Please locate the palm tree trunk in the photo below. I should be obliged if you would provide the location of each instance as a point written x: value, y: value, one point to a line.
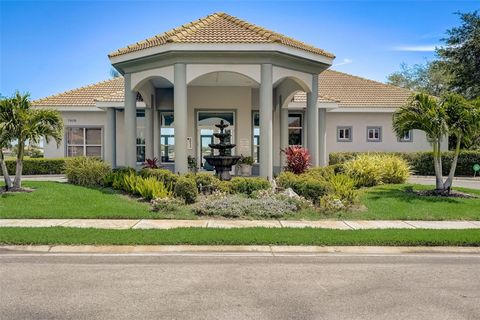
x: 437, y: 164
x: 6, y: 176
x: 451, y: 174
x: 17, y: 183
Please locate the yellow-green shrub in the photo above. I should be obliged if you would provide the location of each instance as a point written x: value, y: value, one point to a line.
x: 306, y: 185
x: 150, y: 188
x: 186, y: 189
x: 86, y: 171
x: 248, y: 185
x: 342, y: 187
x: 166, y: 176
x: 394, y: 169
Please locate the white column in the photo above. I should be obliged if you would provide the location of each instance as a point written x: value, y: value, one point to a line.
x: 283, y: 133
x: 130, y: 124
x: 180, y: 116
x: 322, y: 128
x: 156, y: 132
x: 266, y: 132
x: 312, y: 121
x: 111, y: 138
x: 149, y: 132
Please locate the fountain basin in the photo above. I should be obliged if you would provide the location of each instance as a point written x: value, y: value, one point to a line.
x: 223, y: 165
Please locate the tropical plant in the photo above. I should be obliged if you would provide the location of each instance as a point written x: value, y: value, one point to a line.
x: 26, y: 124
x: 150, y: 188
x: 186, y: 189
x: 86, y: 171
x: 5, y: 141
x: 451, y: 114
x: 151, y: 164
x: 298, y: 159
x: 245, y: 160
x: 425, y: 113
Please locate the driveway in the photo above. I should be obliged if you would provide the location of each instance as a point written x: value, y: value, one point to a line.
x: 472, y: 183
x: 249, y: 286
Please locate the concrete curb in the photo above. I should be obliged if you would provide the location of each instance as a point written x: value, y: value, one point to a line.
x: 266, y: 250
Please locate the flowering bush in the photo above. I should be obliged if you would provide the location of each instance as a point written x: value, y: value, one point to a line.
x: 166, y: 205
x: 298, y: 159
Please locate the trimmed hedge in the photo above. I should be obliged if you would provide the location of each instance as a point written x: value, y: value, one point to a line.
x: 34, y: 166
x: 422, y: 162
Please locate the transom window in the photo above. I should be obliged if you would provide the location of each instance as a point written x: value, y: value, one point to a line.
x: 374, y: 134
x: 295, y: 129
x: 84, y: 142
x: 407, y: 137
x: 167, y: 137
x: 344, y: 134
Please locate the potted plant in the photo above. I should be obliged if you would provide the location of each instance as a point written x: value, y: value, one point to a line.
x: 244, y: 166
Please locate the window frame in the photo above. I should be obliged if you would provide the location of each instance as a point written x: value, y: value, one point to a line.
x: 255, y: 146
x: 402, y: 139
x: 137, y: 144
x: 350, y: 128
x: 301, y: 127
x: 379, y: 134
x: 162, y: 125
x: 84, y: 145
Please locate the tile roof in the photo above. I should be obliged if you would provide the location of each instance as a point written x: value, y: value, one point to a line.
x: 219, y: 28
x: 353, y: 91
x: 347, y: 90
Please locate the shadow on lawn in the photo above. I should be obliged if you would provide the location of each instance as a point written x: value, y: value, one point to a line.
x: 405, y: 195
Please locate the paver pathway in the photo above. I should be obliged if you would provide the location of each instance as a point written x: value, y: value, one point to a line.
x: 226, y: 224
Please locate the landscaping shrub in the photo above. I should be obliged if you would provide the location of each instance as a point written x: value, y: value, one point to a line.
x: 129, y: 183
x: 298, y: 159
x: 35, y: 166
x: 167, y: 205
x: 305, y: 185
x: 167, y: 177
x: 365, y: 170
x: 422, y: 162
x: 323, y: 173
x: 86, y: 171
x: 206, y: 182
x: 186, y: 189
x: 394, y: 169
x: 238, y: 206
x: 150, y: 188
x: 341, y: 193
x: 114, y: 178
x: 248, y: 185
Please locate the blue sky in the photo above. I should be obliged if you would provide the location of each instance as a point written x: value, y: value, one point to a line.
x: 50, y: 47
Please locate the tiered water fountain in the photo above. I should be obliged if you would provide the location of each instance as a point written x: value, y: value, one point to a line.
x: 222, y: 162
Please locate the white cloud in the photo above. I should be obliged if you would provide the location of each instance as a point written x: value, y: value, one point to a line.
x: 416, y: 48
x: 344, y: 61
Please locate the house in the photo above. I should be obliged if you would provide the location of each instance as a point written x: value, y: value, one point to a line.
x: 272, y: 90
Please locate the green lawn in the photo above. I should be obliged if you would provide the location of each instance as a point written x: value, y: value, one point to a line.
x: 61, y: 200
x: 249, y: 236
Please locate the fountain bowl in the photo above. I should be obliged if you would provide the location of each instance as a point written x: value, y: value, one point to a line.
x: 223, y: 165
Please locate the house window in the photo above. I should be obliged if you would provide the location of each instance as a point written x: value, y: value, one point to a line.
x: 256, y: 137
x: 167, y: 137
x: 84, y: 142
x: 374, y: 134
x: 407, y: 137
x: 344, y: 134
x: 140, y: 136
x: 295, y: 129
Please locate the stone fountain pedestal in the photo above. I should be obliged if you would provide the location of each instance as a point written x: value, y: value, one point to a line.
x: 222, y: 162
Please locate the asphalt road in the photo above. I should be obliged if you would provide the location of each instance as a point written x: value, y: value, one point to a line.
x: 240, y: 287
x: 472, y: 183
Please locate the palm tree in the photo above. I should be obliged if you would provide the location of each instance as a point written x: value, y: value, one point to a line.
x: 463, y: 119
x: 26, y: 124
x: 451, y: 115
x: 424, y: 112
x: 5, y: 140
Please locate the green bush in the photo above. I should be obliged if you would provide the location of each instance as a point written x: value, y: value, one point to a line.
x: 394, y: 169
x: 206, y: 182
x: 35, y: 166
x: 114, y: 178
x: 86, y: 171
x: 365, y: 170
x: 342, y: 187
x: 307, y: 185
x: 167, y: 177
x: 421, y: 163
x: 186, y: 189
x: 150, y: 188
x: 129, y: 183
x: 248, y: 185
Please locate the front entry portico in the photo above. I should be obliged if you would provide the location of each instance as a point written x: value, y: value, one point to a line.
x: 246, y: 80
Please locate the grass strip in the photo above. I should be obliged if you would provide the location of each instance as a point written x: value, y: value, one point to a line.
x: 244, y: 236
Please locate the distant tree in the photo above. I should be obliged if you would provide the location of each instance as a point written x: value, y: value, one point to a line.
x: 461, y: 55
x: 114, y: 73
x: 5, y: 141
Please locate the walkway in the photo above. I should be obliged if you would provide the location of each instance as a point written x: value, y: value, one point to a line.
x: 463, y: 182
x: 227, y: 224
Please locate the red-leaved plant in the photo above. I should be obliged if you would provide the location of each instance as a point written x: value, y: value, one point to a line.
x: 151, y: 164
x: 298, y: 159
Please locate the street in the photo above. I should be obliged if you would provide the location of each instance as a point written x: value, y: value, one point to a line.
x: 242, y: 286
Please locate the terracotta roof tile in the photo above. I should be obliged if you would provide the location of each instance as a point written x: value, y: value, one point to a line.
x: 347, y: 90
x: 219, y: 28
x: 353, y: 91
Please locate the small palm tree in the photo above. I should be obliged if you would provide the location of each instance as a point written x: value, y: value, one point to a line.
x: 26, y: 124
x: 424, y: 112
x: 437, y: 118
